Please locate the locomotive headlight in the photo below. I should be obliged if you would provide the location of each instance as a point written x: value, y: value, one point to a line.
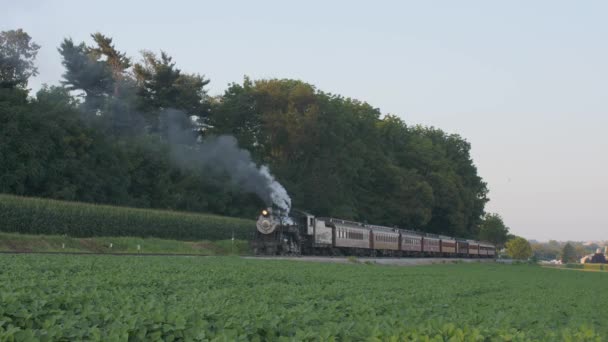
x: 264, y: 212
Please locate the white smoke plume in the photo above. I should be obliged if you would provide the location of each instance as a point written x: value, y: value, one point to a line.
x: 221, y: 153
x: 278, y: 193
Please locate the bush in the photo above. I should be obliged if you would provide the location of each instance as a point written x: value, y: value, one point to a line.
x: 43, y: 216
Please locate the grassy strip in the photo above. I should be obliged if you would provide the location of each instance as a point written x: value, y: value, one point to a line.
x: 588, y: 267
x: 43, y: 216
x: 11, y: 242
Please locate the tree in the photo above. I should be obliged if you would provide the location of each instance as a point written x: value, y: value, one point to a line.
x: 568, y: 254
x: 161, y: 85
x: 340, y: 158
x: 519, y: 248
x: 101, y: 72
x: 17, y: 54
x: 493, y: 229
x: 85, y: 73
x: 116, y: 61
x: 546, y: 251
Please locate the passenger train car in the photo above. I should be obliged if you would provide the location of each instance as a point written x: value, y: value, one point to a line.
x: 304, y: 234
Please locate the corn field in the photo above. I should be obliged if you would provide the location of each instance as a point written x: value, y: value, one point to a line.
x: 43, y: 216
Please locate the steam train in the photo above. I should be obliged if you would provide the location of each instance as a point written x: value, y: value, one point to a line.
x: 301, y: 233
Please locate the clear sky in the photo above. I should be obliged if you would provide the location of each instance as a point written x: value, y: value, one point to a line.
x: 524, y: 81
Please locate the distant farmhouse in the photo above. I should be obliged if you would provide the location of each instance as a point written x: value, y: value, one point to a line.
x: 598, y: 258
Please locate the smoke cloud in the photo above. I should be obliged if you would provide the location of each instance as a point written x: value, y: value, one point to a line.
x: 221, y: 153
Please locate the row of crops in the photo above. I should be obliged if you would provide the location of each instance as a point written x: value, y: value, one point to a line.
x: 106, y: 298
x: 43, y: 216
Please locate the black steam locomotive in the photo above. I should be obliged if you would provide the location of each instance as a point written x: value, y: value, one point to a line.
x: 301, y: 233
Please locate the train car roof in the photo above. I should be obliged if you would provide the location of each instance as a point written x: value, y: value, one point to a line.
x: 352, y: 224
x: 374, y: 227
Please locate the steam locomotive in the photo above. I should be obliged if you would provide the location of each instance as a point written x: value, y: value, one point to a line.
x: 302, y: 233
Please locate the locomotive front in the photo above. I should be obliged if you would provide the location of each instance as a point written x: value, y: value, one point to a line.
x: 267, y: 223
x: 276, y: 234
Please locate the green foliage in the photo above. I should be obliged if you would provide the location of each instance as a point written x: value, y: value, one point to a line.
x: 17, y: 54
x: 336, y: 156
x: 43, y: 216
x: 547, y: 250
x: 161, y: 85
x: 494, y: 230
x: 48, y: 151
x: 85, y: 72
x: 519, y: 248
x: 568, y: 254
x: 102, y: 298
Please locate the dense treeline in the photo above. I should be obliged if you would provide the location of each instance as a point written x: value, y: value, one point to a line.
x: 102, y: 136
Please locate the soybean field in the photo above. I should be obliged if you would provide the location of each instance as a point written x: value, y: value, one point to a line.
x: 129, y: 298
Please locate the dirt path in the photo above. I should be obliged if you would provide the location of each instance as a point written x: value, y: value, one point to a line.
x: 337, y: 260
x: 378, y: 261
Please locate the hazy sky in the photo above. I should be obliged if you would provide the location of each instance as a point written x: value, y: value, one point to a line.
x: 524, y: 81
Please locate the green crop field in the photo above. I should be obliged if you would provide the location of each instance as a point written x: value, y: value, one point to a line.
x: 129, y: 298
x: 28, y: 215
